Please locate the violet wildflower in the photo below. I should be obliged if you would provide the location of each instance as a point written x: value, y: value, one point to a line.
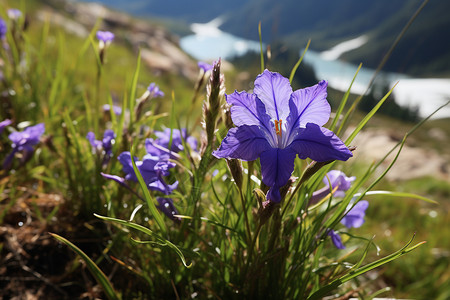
x: 152, y: 168
x: 155, y: 91
x: 336, y: 179
x: 24, y: 141
x: 205, y: 66
x: 163, y: 139
x: 355, y: 215
x: 4, y: 123
x: 167, y: 207
x: 3, y: 29
x: 336, y: 239
x: 116, y: 109
x: 276, y: 124
x: 103, y: 147
x: 105, y: 36
x: 14, y: 13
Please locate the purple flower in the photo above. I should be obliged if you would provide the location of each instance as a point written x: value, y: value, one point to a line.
x: 116, y: 109
x: 337, y: 179
x: 167, y: 207
x: 14, y: 13
x: 336, y: 239
x: 276, y: 124
x: 152, y: 169
x: 4, y: 123
x: 205, y: 66
x: 154, y: 90
x: 105, y: 36
x: 105, y: 145
x: 24, y: 141
x: 3, y: 29
x: 163, y: 139
x: 355, y: 216
x: 340, y: 180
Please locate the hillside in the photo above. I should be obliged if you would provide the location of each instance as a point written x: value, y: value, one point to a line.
x: 421, y: 52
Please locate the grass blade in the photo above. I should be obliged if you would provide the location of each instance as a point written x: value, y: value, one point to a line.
x: 95, y: 270
x: 161, y: 241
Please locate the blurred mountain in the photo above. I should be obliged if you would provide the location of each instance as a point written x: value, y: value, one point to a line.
x: 423, y: 51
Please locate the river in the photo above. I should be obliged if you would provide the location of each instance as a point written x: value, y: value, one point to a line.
x: 209, y: 43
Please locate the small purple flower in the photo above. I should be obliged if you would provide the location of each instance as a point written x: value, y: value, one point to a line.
x: 163, y: 139
x: 24, y: 141
x: 105, y: 36
x: 4, y: 123
x: 205, y: 66
x: 336, y: 239
x: 105, y: 145
x: 355, y: 216
x: 154, y: 90
x: 337, y: 179
x: 340, y: 180
x: 167, y: 207
x: 276, y: 124
x: 152, y: 169
x: 3, y: 29
x: 14, y: 13
x: 116, y: 109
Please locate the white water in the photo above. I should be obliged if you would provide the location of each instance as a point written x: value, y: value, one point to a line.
x: 209, y: 43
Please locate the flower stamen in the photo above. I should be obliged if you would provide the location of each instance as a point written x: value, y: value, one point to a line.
x: 278, y: 127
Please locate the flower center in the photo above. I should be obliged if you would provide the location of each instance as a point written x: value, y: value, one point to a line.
x: 278, y: 127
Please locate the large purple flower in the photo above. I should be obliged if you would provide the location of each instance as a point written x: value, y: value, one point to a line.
x: 276, y: 124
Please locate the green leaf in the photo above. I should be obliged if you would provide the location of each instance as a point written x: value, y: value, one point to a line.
x: 294, y: 69
x: 95, y: 270
x: 261, y: 47
x: 355, y: 273
x: 161, y: 241
x: 399, y: 194
x: 148, y: 198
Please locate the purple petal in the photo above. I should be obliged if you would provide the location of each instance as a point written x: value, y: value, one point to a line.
x: 244, y: 142
x: 310, y: 105
x: 27, y: 138
x: 105, y: 36
x: 152, y: 149
x: 319, y: 144
x: 355, y: 217
x: 4, y: 123
x: 338, y: 179
x: 116, y: 178
x: 274, y: 90
x: 247, y: 109
x: 167, y: 207
x: 204, y: 66
x: 336, y: 239
x: 277, y: 166
x: 108, y: 138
